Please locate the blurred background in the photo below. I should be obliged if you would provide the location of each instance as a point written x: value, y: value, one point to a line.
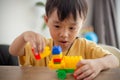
x: 17, y: 16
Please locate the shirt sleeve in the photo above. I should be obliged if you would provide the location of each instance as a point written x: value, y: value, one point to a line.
x: 95, y: 51
x: 25, y: 60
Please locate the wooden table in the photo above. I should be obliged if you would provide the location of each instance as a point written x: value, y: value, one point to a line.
x: 43, y: 73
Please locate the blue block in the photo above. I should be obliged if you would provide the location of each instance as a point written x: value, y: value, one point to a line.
x: 56, y: 50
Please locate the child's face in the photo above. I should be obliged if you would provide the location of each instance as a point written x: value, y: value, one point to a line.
x: 65, y: 32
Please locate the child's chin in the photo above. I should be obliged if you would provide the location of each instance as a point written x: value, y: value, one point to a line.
x: 64, y: 45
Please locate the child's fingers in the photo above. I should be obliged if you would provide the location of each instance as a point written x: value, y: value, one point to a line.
x: 85, y: 75
x: 41, y: 47
x: 36, y: 41
x: 81, y: 70
x: 40, y: 43
x: 80, y: 63
x: 91, y: 77
x: 34, y: 46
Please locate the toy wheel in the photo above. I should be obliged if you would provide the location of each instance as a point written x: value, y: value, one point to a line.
x: 61, y: 74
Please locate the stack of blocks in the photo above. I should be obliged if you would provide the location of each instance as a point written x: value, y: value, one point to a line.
x: 57, y: 55
x: 62, y: 62
x: 56, y: 61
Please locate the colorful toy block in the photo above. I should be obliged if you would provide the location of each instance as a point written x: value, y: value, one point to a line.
x: 57, y: 56
x: 42, y: 55
x: 37, y: 57
x: 46, y: 52
x: 57, y: 60
x: 56, y: 50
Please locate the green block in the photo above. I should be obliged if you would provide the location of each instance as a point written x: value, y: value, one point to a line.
x: 70, y: 70
x: 61, y: 74
x: 56, y: 62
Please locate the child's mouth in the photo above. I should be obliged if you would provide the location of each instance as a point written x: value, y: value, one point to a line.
x: 63, y: 42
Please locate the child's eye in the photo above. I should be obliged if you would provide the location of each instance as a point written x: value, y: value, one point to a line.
x: 71, y: 28
x: 56, y: 26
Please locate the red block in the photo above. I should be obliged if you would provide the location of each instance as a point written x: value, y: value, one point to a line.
x: 37, y: 56
x: 57, y: 60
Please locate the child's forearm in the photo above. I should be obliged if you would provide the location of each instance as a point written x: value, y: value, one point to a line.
x: 109, y: 61
x: 17, y: 47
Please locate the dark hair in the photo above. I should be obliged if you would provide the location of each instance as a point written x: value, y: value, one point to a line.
x: 66, y: 7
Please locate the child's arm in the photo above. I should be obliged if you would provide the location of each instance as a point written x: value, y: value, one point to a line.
x: 92, y: 67
x: 18, y: 45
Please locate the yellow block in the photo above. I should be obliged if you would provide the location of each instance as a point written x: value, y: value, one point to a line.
x: 57, y: 56
x: 51, y: 65
x: 71, y: 61
x: 68, y: 62
x: 46, y: 52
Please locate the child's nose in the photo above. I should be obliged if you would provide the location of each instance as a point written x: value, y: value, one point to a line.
x: 64, y: 33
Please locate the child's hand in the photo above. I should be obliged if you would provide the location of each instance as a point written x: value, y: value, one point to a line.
x: 87, y: 70
x: 36, y: 40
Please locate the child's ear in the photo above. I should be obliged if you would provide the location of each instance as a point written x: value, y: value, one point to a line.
x: 46, y: 19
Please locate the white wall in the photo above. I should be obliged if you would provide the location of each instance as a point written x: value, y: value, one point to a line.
x: 17, y: 16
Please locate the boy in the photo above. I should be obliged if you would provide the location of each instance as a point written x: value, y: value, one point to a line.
x: 64, y: 19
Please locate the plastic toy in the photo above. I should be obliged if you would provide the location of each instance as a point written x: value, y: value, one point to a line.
x: 42, y: 55
x: 63, y: 64
x: 91, y: 36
